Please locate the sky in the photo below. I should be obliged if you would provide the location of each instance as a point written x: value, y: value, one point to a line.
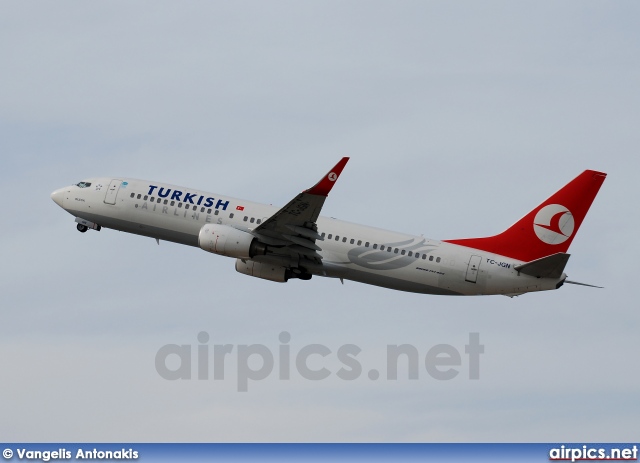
x: 459, y: 117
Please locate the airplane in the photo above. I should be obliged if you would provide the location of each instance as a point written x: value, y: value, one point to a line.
x: 296, y: 242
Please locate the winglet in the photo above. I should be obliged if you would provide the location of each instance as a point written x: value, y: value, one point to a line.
x: 323, y: 187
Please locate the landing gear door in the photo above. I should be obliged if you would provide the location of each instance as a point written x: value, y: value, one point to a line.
x: 472, y: 269
x: 112, y: 192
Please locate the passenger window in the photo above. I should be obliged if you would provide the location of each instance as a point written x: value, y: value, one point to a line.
x: 231, y: 215
x: 245, y: 218
x: 395, y: 251
x: 438, y: 260
x: 359, y: 242
x: 133, y: 194
x: 322, y: 234
x: 216, y: 212
x: 166, y: 201
x: 375, y: 246
x: 352, y: 241
x: 366, y: 245
x: 337, y: 238
x: 410, y: 253
x: 195, y: 208
x: 258, y: 221
x: 146, y: 197
x: 202, y: 209
x: 417, y: 255
x: 139, y: 196
x: 330, y: 236
x: 344, y: 240
x: 208, y: 211
x: 151, y: 199
x: 403, y: 252
x: 252, y: 219
x: 381, y: 247
x: 173, y: 203
x: 430, y: 257
x: 389, y: 249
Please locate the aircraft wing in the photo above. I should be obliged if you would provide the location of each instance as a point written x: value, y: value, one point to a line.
x: 294, y: 226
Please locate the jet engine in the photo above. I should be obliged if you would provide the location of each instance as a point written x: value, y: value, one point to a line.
x: 263, y: 270
x: 229, y: 242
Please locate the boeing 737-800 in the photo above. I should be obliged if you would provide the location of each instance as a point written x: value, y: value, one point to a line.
x: 296, y: 242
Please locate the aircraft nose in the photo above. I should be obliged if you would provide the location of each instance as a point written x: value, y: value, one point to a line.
x: 58, y: 196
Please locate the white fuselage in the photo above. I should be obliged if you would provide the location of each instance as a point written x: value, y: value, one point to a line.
x: 349, y: 251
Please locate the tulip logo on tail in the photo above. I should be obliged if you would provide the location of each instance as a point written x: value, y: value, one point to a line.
x: 554, y: 224
x: 333, y: 176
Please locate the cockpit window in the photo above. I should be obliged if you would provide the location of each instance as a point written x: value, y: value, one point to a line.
x: 84, y: 184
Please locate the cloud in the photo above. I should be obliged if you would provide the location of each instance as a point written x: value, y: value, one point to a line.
x: 459, y: 117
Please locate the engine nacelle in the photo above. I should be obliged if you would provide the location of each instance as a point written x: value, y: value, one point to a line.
x: 229, y: 241
x: 262, y: 270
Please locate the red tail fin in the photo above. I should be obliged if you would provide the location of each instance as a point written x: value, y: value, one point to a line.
x: 549, y: 228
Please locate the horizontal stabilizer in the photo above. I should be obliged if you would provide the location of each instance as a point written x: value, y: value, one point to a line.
x: 547, y: 267
x: 582, y: 284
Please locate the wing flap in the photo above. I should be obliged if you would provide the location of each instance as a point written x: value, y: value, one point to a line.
x: 306, y: 232
x: 303, y: 242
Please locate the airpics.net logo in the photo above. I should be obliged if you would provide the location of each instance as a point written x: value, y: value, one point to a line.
x: 554, y: 224
x: 314, y: 362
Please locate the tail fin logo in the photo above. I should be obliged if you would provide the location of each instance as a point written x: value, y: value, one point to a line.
x: 554, y: 224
